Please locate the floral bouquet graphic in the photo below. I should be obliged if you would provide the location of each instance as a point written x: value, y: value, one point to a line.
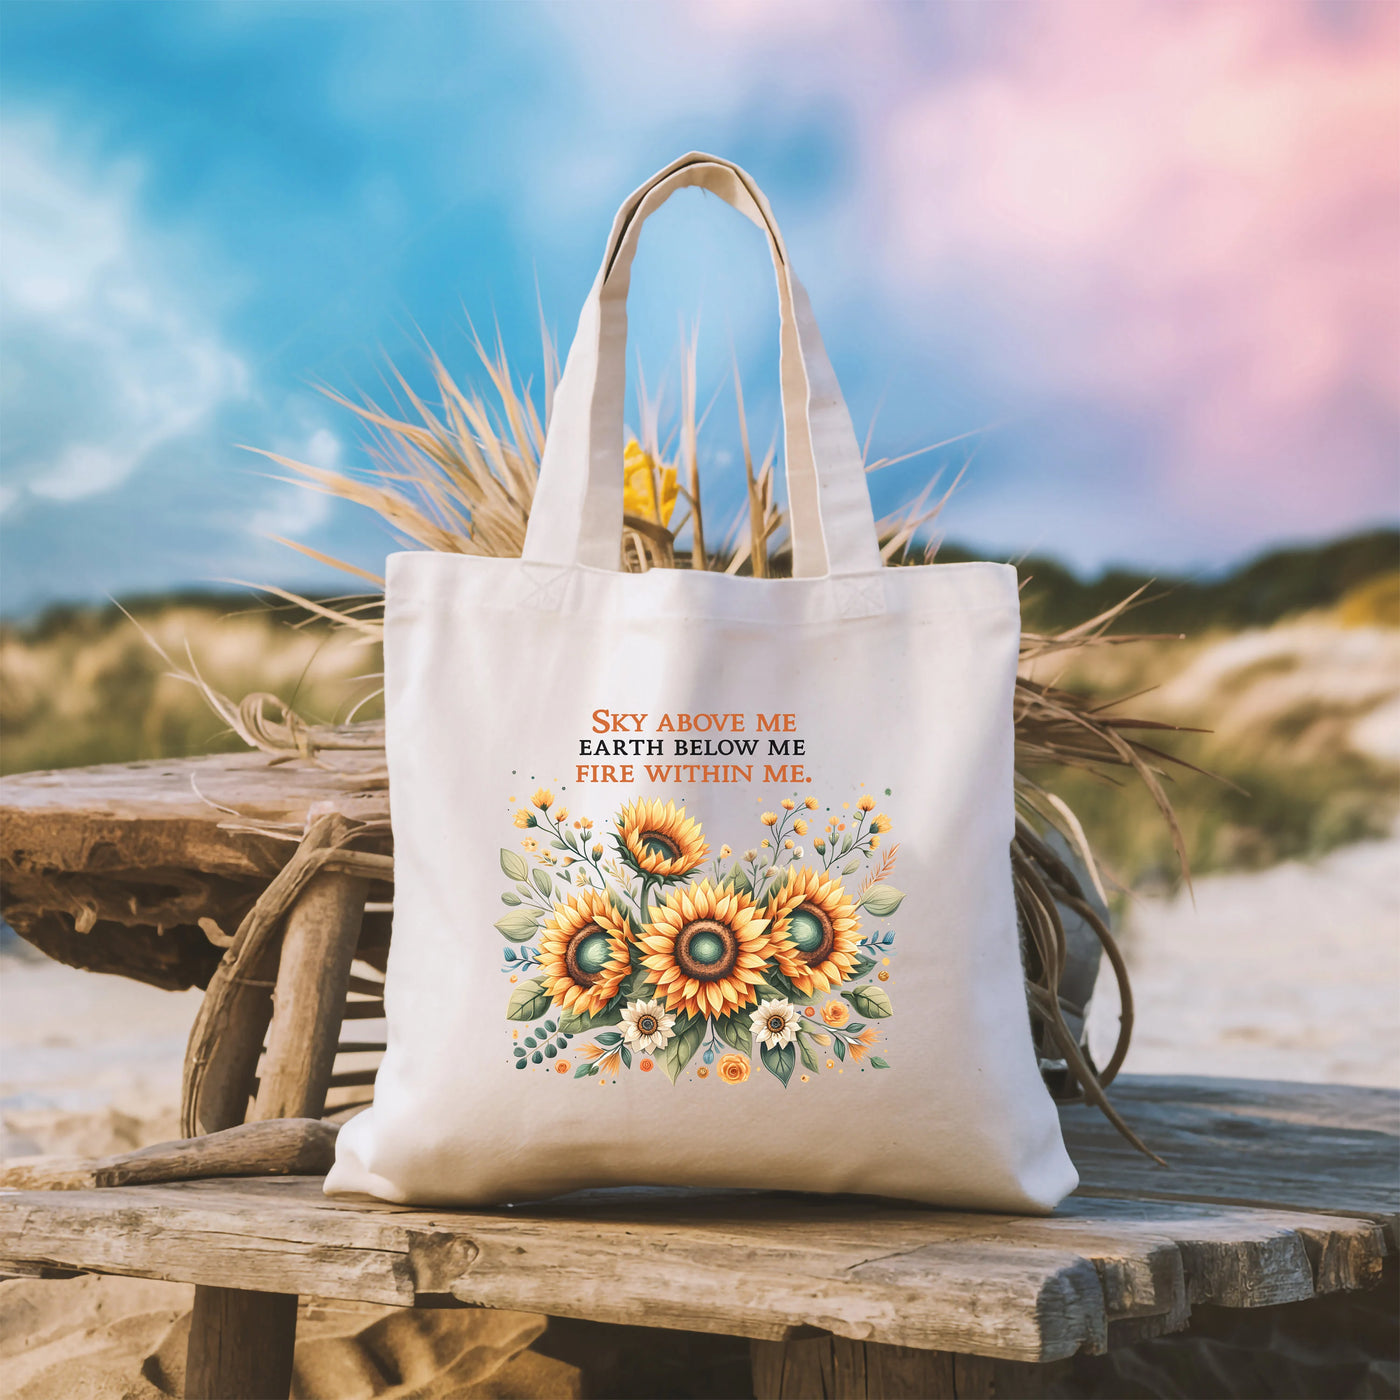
x: 640, y: 949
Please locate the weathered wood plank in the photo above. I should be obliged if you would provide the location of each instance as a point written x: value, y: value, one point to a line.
x: 1026, y: 1289
x: 1309, y: 1147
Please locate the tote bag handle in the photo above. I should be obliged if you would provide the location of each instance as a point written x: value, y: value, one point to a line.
x: 577, y: 512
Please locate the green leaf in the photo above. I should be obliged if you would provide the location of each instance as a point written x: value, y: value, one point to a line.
x: 542, y: 882
x: 877, y: 1063
x: 881, y: 900
x: 810, y: 1058
x: 526, y: 891
x: 520, y: 925
x: 678, y: 1052
x: 838, y: 1045
x: 848, y: 842
x: 636, y: 986
x: 510, y: 898
x: 572, y: 1023
x: 850, y: 867
x: 869, y: 1001
x: 861, y: 967
x: 779, y: 1061
x: 609, y: 1038
x: 740, y: 880
x: 626, y: 1057
x: 737, y: 1031
x: 513, y: 864
x: 527, y: 1001
x: 559, y: 845
x: 583, y: 1071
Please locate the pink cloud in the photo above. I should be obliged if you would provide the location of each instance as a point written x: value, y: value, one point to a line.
x: 1186, y: 209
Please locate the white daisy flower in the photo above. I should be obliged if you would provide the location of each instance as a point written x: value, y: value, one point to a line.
x: 775, y: 1023
x: 646, y: 1026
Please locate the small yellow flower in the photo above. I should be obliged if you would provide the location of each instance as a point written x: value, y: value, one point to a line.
x: 788, y: 804
x: 810, y: 804
x: 725, y: 853
x: 845, y: 806
x: 769, y: 819
x: 733, y: 1069
x: 866, y: 803
x: 800, y: 827
x: 524, y: 819
x: 765, y: 843
x: 789, y: 843
x: 819, y: 844
x: 530, y: 844
x: 639, y: 490
x: 543, y: 798
x: 836, y: 1013
x: 874, y: 843
x: 568, y: 860
x: 880, y: 822
x: 562, y: 815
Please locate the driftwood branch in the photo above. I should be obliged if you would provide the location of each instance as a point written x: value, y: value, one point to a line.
x: 278, y: 1147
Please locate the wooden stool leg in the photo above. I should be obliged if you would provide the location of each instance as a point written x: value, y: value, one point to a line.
x: 309, y: 1001
x: 834, y: 1368
x: 240, y: 1345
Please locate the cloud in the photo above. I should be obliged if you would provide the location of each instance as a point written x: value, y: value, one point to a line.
x: 106, y: 359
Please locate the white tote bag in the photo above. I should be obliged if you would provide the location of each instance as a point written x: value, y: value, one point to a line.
x: 702, y: 880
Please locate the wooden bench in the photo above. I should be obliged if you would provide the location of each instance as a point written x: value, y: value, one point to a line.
x: 1275, y: 1193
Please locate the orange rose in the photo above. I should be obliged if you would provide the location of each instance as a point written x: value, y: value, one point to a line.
x: 836, y: 1013
x: 733, y: 1069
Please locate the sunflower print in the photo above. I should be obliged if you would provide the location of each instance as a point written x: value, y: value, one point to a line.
x: 705, y: 948
x: 584, y: 952
x: 659, y: 840
x: 815, y: 930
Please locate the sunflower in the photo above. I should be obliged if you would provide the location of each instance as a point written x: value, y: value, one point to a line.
x: 775, y: 1023
x: 705, y: 948
x: 660, y: 840
x: 646, y: 1026
x: 814, y: 927
x: 583, y: 952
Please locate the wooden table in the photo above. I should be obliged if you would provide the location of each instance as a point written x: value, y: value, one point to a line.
x: 1276, y: 1193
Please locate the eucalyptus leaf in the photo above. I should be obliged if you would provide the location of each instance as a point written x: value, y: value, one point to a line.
x: 881, y: 900
x: 527, y: 1001
x: 870, y: 1001
x: 542, y: 882
x: 878, y: 1063
x: 779, y: 1061
x: 513, y: 864
x: 572, y: 1023
x: 511, y: 898
x: 737, y: 1031
x: 680, y: 1049
x: 519, y: 925
x: 526, y: 891
x: 850, y: 867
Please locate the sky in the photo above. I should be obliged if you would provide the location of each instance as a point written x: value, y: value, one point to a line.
x: 1138, y: 260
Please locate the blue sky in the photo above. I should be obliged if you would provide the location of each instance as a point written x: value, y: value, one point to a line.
x: 1145, y: 253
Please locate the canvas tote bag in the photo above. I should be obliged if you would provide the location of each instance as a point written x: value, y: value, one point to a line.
x: 702, y: 880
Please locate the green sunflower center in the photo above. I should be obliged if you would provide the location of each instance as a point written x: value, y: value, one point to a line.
x: 655, y: 844
x: 706, y: 949
x: 777, y: 1023
x: 805, y: 930
x: 592, y: 953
